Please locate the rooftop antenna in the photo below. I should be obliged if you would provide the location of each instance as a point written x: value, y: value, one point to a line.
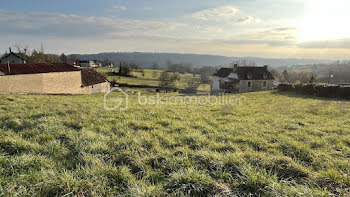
x: 8, y: 66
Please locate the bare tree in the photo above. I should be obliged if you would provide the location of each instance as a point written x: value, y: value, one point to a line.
x: 275, y: 74
x: 165, y: 79
x: 204, y: 77
x: 244, y: 62
x: 63, y: 58
x: 175, y: 76
x: 285, y: 76
x: 193, y: 83
x: 155, y: 65
x: 155, y: 74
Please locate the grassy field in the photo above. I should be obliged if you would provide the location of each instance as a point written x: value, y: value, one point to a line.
x: 270, y: 145
x: 151, y: 79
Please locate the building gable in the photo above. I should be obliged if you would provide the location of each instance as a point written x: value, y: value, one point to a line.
x: 223, y: 72
x: 233, y: 76
x: 91, y: 77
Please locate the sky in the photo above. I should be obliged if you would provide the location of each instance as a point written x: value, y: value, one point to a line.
x: 317, y: 29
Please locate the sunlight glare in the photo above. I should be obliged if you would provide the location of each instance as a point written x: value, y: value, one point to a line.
x: 325, y: 20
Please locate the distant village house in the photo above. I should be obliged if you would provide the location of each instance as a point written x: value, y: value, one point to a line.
x: 12, y: 58
x: 88, y: 63
x: 50, y: 78
x: 242, y: 79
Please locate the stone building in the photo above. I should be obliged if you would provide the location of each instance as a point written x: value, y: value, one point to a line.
x: 50, y: 78
x: 12, y: 58
x: 242, y: 79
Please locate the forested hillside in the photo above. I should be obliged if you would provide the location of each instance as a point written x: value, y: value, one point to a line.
x: 197, y: 60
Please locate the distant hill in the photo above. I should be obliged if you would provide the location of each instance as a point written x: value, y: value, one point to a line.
x: 147, y: 59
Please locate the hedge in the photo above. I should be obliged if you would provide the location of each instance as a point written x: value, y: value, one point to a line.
x: 330, y: 91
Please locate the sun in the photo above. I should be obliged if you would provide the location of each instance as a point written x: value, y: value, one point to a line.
x: 325, y: 20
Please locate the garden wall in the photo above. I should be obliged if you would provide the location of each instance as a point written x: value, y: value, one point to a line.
x: 330, y: 91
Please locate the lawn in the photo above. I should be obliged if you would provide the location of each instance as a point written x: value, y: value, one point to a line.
x: 150, y: 78
x: 271, y: 144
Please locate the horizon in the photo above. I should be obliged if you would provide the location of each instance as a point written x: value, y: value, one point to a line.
x: 204, y: 54
x: 293, y: 29
x: 218, y: 55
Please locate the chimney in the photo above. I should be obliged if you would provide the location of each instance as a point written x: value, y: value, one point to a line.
x: 8, y: 66
x: 235, y: 66
x: 10, y: 49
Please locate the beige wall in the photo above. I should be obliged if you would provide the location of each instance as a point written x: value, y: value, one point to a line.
x: 97, y: 88
x: 44, y: 83
x: 105, y: 87
x: 21, y: 84
x: 49, y: 83
x: 257, y: 85
x: 62, y: 83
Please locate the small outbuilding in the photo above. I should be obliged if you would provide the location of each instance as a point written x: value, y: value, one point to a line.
x: 50, y: 78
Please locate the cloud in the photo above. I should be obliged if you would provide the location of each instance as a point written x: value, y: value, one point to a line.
x: 224, y: 14
x: 198, y: 33
x: 285, y: 36
x: 220, y: 12
x: 338, y: 43
x: 283, y: 33
x: 147, y: 8
x: 120, y: 7
x: 62, y: 26
x: 70, y: 26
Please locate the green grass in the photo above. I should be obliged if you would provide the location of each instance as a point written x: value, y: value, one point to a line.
x: 270, y: 145
x: 150, y: 80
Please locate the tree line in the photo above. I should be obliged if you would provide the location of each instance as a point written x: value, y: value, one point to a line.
x: 39, y: 56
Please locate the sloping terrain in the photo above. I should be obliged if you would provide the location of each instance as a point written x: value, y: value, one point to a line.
x: 271, y: 144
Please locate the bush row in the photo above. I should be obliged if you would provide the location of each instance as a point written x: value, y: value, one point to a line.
x: 330, y: 91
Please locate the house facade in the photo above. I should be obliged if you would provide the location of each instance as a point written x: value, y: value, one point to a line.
x: 47, y: 78
x: 242, y: 79
x: 12, y: 58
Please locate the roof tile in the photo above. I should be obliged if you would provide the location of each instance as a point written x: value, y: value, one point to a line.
x: 257, y: 73
x: 91, y: 77
x: 18, y: 69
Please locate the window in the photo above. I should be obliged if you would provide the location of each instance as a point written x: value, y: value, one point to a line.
x: 249, y: 84
x: 249, y: 76
x: 265, y: 76
x: 264, y: 84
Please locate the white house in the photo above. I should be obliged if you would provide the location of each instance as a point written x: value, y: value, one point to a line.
x: 242, y: 79
x: 89, y: 63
